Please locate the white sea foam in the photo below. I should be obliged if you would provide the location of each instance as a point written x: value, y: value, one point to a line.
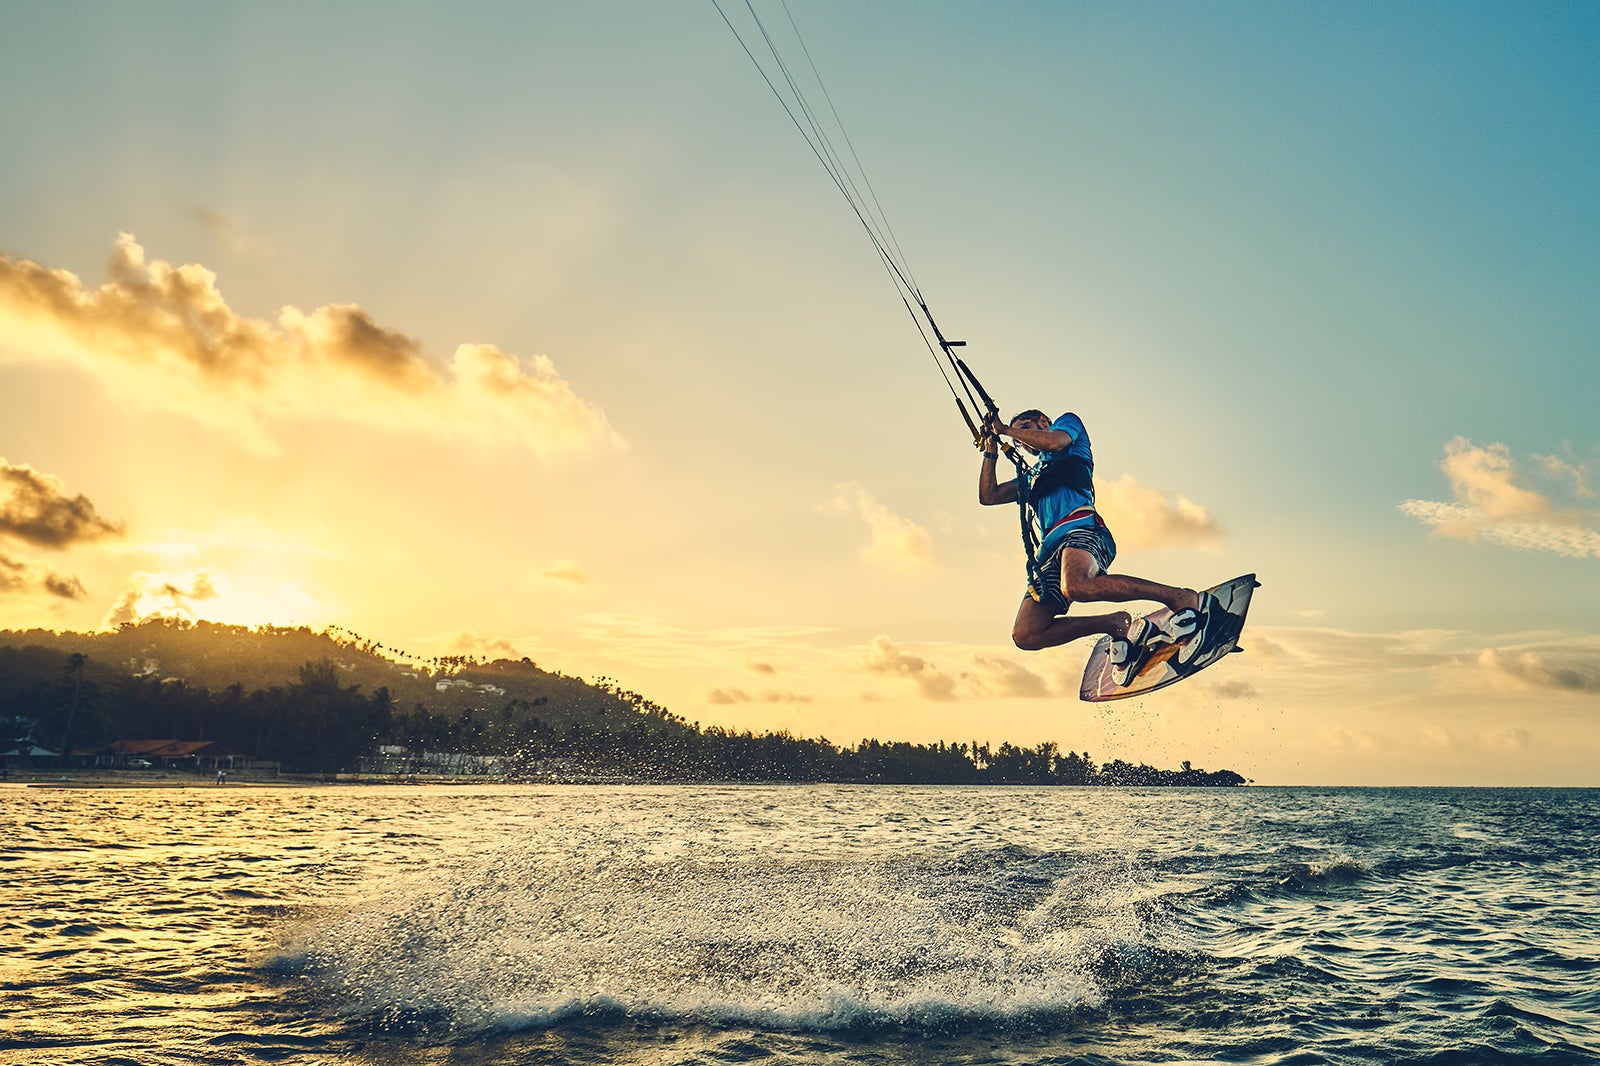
x: 520, y: 940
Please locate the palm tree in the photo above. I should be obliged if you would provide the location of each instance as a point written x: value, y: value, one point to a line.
x: 75, y: 664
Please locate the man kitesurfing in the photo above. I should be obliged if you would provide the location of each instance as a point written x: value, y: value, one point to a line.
x: 1072, y: 548
x: 1069, y: 550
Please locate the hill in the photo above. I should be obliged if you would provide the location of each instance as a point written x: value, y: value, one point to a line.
x: 216, y: 657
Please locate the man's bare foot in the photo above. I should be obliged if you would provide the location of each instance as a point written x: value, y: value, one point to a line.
x: 1187, y: 600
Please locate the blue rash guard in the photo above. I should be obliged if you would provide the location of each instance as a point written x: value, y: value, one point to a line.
x: 1059, y: 485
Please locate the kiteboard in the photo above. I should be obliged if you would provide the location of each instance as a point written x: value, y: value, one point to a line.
x: 1162, y: 667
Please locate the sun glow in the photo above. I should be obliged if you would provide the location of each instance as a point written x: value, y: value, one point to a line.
x: 210, y: 594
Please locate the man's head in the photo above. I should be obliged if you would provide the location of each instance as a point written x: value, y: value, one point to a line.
x: 1030, y: 419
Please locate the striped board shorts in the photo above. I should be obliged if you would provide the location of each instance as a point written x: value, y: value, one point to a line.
x: 1096, y: 540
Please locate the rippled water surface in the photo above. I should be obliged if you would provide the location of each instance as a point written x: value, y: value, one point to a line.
x: 798, y: 925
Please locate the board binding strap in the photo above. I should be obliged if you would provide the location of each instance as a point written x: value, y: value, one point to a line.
x: 1161, y: 666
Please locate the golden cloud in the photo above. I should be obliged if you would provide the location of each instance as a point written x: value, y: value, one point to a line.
x: 725, y: 696
x: 1312, y: 652
x: 164, y: 595
x: 1004, y: 677
x: 34, y: 507
x: 1490, y: 505
x: 564, y: 572
x: 897, y: 543
x: 21, y: 576
x: 1142, y: 517
x: 1559, y: 468
x: 975, y: 674
x: 1449, y: 664
x: 1561, y: 668
x: 884, y: 657
x: 480, y: 647
x: 1484, y: 480
x: 165, y: 338
x: 1230, y: 689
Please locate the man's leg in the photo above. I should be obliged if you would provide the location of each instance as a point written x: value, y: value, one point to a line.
x: 1082, y: 581
x: 1038, y: 628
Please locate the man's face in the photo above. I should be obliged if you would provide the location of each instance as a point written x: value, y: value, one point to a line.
x: 1030, y: 422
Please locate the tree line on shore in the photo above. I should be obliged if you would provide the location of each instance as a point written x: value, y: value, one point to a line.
x: 326, y: 719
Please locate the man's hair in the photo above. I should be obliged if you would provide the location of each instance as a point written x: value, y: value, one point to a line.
x: 1030, y: 413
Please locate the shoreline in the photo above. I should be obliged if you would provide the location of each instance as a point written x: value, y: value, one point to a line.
x: 176, y: 779
x: 173, y: 779
x: 159, y: 779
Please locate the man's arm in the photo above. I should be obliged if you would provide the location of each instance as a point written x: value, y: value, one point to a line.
x: 990, y: 490
x: 1040, y: 440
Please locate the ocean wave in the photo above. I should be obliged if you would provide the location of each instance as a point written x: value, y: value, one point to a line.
x: 1002, y: 937
x: 1326, y: 875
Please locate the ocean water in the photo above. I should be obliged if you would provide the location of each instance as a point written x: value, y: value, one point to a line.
x: 812, y: 924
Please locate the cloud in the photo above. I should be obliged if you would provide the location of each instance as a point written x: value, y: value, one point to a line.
x: 158, y: 595
x: 1231, y: 689
x: 1490, y: 505
x: 1563, y: 669
x: 883, y: 657
x: 164, y: 338
x: 1319, y: 653
x: 19, y: 576
x: 564, y: 572
x: 1509, y: 738
x: 228, y: 233
x: 35, y: 508
x: 1496, y: 740
x: 66, y: 587
x: 1456, y: 740
x: 736, y: 695
x: 1438, y: 736
x: 14, y: 574
x: 1453, y: 669
x: 1359, y: 740
x: 1464, y: 523
x: 1484, y: 479
x: 1141, y: 517
x: 1561, y: 469
x: 465, y: 643
x: 994, y: 675
x: 896, y: 542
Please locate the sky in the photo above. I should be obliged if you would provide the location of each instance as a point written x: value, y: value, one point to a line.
x: 536, y: 330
